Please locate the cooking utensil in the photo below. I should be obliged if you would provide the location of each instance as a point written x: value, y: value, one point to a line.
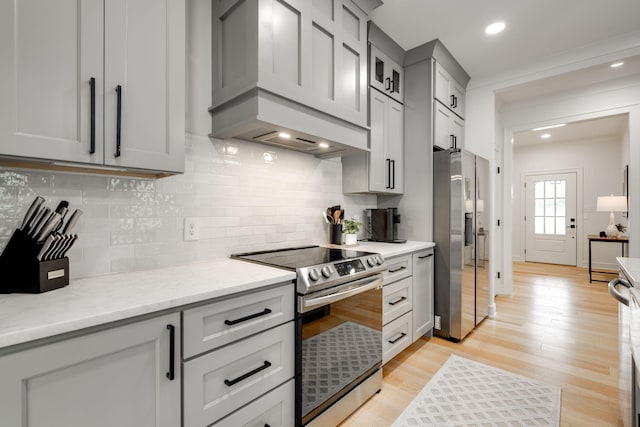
x: 45, y: 247
x: 62, y: 205
x: 72, y: 221
x: 68, y: 245
x: 41, y: 222
x: 53, y: 222
x: 326, y: 218
x: 336, y: 216
x: 35, y: 218
x: 33, y: 209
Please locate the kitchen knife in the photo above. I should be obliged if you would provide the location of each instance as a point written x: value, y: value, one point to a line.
x: 33, y: 209
x: 68, y: 245
x: 55, y: 247
x: 45, y: 247
x: 41, y: 222
x: 66, y: 240
x: 54, y: 220
x: 71, y: 222
x: 62, y: 205
x: 35, y: 218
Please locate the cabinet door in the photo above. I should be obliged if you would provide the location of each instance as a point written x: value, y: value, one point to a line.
x: 448, y: 91
x: 145, y: 58
x: 385, y: 75
x: 379, y: 165
x: 395, y: 146
x: 456, y: 128
x: 442, y: 134
x: 116, y: 377
x: 49, y: 53
x: 422, y: 293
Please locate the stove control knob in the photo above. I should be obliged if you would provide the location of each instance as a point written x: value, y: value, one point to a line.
x: 313, y: 275
x: 371, y: 261
x: 327, y: 271
x: 379, y: 259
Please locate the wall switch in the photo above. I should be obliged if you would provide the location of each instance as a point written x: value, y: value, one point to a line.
x: 437, y: 325
x: 191, y: 229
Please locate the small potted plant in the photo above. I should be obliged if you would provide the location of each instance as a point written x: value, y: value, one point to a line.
x: 350, y: 229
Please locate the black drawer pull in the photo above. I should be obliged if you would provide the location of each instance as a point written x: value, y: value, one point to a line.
x: 396, y: 301
x: 402, y: 335
x: 92, y: 85
x: 244, y: 319
x: 118, y: 120
x: 172, y: 347
x: 248, y: 374
x: 395, y: 270
x: 425, y: 256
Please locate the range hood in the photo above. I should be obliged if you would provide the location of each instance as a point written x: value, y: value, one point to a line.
x: 264, y: 117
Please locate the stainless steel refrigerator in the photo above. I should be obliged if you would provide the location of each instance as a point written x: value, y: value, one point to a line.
x: 461, y: 233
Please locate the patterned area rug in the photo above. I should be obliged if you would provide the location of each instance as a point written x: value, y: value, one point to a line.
x: 468, y: 393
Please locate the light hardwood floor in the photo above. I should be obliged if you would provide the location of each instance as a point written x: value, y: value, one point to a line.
x: 556, y: 327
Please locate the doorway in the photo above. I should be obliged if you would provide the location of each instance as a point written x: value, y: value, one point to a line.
x: 550, y: 218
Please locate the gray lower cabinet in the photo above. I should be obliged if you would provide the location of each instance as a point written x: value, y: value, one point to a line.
x: 422, y: 293
x: 238, y: 354
x: 115, y: 377
x: 397, y: 303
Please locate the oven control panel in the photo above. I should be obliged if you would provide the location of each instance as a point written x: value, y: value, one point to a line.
x: 326, y: 275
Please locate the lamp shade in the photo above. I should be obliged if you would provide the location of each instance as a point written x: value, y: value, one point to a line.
x: 611, y: 204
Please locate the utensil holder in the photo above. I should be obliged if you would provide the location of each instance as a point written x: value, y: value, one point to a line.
x: 335, y: 234
x: 23, y: 273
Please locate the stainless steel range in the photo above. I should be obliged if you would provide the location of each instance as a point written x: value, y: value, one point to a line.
x: 338, y: 328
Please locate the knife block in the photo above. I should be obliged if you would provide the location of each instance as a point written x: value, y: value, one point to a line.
x: 23, y: 273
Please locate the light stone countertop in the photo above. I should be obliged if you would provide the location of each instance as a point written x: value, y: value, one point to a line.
x: 95, y: 301
x: 631, y: 268
x: 389, y: 250
x: 99, y: 300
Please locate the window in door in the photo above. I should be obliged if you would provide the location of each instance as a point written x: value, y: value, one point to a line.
x: 550, y: 207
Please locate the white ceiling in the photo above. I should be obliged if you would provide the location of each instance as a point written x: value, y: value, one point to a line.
x: 535, y: 29
x: 585, y: 130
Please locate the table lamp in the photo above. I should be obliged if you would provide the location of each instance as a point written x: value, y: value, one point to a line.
x: 611, y: 204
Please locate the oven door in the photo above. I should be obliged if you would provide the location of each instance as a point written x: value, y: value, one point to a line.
x: 339, y: 343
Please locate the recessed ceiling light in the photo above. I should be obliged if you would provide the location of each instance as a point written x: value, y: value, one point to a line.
x: 549, y: 127
x: 323, y: 145
x: 494, y: 28
x: 284, y: 135
x: 545, y: 136
x: 616, y: 64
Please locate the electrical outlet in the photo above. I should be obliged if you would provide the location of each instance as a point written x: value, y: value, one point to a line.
x: 191, y: 229
x: 437, y: 325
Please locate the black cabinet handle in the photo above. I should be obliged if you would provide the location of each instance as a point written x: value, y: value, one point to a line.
x: 172, y: 347
x: 402, y: 335
x: 393, y: 174
x: 451, y: 136
x: 397, y: 269
x: 425, y: 256
x: 92, y: 86
x: 118, y: 120
x: 396, y: 301
x: 249, y: 317
x: 229, y: 383
x: 387, y: 85
x: 388, y: 161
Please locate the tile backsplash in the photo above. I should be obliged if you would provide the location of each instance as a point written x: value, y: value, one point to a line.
x: 242, y: 196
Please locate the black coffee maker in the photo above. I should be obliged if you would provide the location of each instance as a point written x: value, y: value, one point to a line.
x: 383, y: 225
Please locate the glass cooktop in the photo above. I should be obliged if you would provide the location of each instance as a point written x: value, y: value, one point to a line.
x: 305, y: 256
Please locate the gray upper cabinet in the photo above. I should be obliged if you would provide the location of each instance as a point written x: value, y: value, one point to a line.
x: 385, y: 74
x: 448, y: 91
x: 313, y: 53
x: 448, y: 128
x: 66, y: 65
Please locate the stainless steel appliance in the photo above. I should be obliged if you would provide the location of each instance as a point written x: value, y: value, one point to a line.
x: 629, y: 349
x: 383, y: 225
x: 460, y: 228
x: 338, y: 328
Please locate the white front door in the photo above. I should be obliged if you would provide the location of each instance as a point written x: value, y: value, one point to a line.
x: 550, y: 221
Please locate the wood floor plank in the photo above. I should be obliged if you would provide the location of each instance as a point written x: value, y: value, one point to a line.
x: 556, y: 327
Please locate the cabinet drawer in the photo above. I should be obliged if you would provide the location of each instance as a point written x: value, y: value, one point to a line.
x: 399, y: 268
x: 396, y: 336
x: 274, y: 409
x: 213, y: 325
x: 222, y: 381
x: 396, y: 299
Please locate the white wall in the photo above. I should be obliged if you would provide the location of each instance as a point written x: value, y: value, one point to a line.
x: 601, y: 170
x: 245, y: 196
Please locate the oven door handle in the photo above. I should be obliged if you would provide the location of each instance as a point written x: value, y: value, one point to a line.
x: 354, y: 288
x: 614, y: 292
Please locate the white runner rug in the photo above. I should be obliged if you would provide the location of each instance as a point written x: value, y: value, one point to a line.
x: 468, y: 393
